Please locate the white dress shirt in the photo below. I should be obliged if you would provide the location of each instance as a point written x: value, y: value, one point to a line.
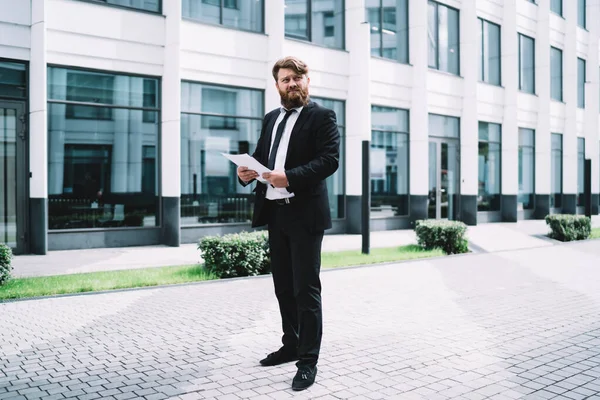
x: 282, y: 193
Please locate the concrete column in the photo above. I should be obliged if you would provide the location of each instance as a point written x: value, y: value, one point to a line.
x: 510, y: 130
x: 419, y: 116
x: 275, y: 28
x: 171, y: 127
x: 38, y: 132
x: 358, y: 107
x: 469, y: 132
x: 570, y: 98
x: 592, y: 102
x: 543, y: 143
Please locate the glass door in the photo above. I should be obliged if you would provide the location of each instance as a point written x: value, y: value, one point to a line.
x: 13, y: 181
x: 443, y: 178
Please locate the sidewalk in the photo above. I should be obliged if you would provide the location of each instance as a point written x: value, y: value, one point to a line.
x: 490, y: 237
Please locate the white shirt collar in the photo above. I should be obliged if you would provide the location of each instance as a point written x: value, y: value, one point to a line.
x: 299, y: 109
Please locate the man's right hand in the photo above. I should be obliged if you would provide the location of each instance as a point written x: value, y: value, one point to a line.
x: 246, y: 174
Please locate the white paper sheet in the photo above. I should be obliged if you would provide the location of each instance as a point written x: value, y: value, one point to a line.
x: 245, y: 160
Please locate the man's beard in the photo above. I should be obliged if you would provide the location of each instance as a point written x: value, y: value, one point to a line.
x: 295, y: 98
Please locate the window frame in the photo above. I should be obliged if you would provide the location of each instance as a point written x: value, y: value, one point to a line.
x: 582, y: 83
x: 408, y: 157
x: 560, y: 14
x: 562, y: 162
x: 105, y: 4
x: 483, y: 64
x: 562, y: 91
x: 380, y: 55
x: 309, y: 28
x: 579, y: 3
x: 499, y: 143
x: 520, y: 36
x: 220, y: 23
x: 437, y: 38
x: 532, y: 147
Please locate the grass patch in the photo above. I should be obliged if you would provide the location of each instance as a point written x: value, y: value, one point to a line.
x: 595, y: 233
x: 387, y: 254
x: 19, y: 288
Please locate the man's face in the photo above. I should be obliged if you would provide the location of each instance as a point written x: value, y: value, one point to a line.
x: 293, y: 88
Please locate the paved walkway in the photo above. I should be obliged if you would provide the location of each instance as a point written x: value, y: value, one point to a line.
x: 519, y: 324
x: 484, y: 237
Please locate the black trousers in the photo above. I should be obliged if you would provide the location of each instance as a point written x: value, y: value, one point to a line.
x: 295, y: 266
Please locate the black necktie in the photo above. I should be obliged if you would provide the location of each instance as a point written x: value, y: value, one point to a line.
x: 278, y: 135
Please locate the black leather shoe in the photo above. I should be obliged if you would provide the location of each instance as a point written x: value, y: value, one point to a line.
x: 304, y: 378
x: 281, y: 356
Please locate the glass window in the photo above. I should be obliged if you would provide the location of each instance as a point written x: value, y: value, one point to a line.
x: 526, y: 64
x: 335, y: 183
x: 389, y: 162
x: 215, y: 120
x: 556, y: 171
x: 580, y: 171
x: 556, y: 7
x: 526, y: 169
x: 489, y: 59
x: 556, y: 71
x: 240, y: 14
x: 147, y: 5
x: 389, y: 28
x: 102, y: 152
x: 317, y: 21
x: 444, y: 126
x: 580, y: 83
x: 443, y: 38
x: 488, y: 198
x: 581, y: 13
x: 13, y: 80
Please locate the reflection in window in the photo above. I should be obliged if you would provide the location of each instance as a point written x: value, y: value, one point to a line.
x: 240, y: 14
x: 556, y: 6
x: 13, y: 80
x: 526, y: 194
x: 526, y: 64
x: 580, y: 171
x: 581, y: 13
x: 146, y: 5
x: 580, y: 83
x: 335, y: 183
x: 389, y: 28
x: 556, y: 171
x: 102, y: 169
x: 216, y: 120
x: 556, y: 79
x: 389, y: 162
x: 443, y: 32
x: 488, y: 198
x: 317, y: 21
x: 489, y: 65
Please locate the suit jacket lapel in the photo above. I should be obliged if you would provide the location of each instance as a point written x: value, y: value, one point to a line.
x: 302, y: 118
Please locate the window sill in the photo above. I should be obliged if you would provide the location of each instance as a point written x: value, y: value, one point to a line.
x: 391, y: 60
x: 231, y: 28
x: 530, y: 94
x: 445, y: 73
x: 558, y: 15
x: 491, y: 84
x: 295, y: 39
x: 558, y: 101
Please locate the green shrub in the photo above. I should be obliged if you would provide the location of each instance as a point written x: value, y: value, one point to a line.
x: 566, y: 227
x: 446, y: 235
x: 5, y: 263
x: 239, y: 254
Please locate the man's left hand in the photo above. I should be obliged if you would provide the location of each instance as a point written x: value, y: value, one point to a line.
x: 276, y: 178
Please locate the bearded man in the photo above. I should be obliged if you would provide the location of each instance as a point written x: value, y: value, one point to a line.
x: 299, y: 143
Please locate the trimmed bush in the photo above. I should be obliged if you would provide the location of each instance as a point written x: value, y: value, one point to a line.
x: 567, y: 227
x: 446, y: 235
x: 239, y: 254
x: 5, y: 263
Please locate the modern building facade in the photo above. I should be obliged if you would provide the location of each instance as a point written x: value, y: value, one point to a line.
x: 114, y: 113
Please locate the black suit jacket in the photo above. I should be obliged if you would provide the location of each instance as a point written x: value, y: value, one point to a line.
x: 313, y: 155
